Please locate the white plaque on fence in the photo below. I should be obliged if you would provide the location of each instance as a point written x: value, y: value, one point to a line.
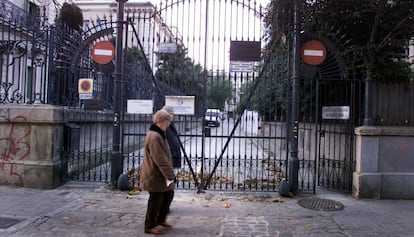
x: 168, y: 48
x: 335, y: 112
x: 183, y: 105
x: 239, y: 66
x: 85, y: 96
x: 139, y: 106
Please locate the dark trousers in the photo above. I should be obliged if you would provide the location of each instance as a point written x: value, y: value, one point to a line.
x: 157, y: 209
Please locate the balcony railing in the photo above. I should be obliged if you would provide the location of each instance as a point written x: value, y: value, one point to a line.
x: 14, y: 15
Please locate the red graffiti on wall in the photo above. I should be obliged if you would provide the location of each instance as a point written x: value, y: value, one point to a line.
x: 14, y: 147
x: 400, y: 144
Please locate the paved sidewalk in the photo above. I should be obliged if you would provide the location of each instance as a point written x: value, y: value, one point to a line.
x: 93, y: 209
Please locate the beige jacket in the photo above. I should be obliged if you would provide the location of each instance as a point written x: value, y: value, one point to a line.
x: 157, y: 165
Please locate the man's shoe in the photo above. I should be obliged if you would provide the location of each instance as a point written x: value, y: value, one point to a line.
x: 166, y: 225
x: 154, y: 231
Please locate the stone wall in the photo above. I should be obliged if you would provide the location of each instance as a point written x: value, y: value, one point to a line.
x: 33, y: 150
x: 30, y: 145
x: 384, y: 163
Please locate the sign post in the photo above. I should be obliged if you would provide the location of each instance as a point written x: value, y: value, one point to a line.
x: 116, y: 159
x: 293, y: 161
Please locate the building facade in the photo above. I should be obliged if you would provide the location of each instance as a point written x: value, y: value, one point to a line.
x: 146, y: 29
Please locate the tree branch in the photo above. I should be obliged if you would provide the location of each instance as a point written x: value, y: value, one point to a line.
x: 389, y: 36
x: 380, y: 10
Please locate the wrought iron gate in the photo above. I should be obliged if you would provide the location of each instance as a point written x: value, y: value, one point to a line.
x: 340, y: 106
x: 188, y: 50
x: 182, y: 49
x: 331, y: 107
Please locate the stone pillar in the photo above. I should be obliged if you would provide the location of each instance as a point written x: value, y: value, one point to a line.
x: 31, y: 145
x: 384, y: 163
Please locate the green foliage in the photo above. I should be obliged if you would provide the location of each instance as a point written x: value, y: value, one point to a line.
x: 71, y: 15
x: 270, y: 98
x: 278, y: 20
x: 135, y: 55
x: 367, y: 36
x: 173, y: 67
x: 245, y: 90
x: 377, y: 31
x: 138, y: 75
x: 219, y: 91
x: 179, y: 72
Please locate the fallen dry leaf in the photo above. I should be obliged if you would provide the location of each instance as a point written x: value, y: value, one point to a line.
x: 134, y: 191
x: 278, y: 200
x: 226, y: 205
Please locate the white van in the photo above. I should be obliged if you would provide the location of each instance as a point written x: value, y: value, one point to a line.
x: 212, y: 118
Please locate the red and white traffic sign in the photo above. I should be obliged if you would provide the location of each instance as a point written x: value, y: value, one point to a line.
x: 313, y: 52
x: 103, y: 52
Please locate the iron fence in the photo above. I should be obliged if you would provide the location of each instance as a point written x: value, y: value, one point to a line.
x: 23, y: 51
x: 42, y: 63
x: 39, y: 65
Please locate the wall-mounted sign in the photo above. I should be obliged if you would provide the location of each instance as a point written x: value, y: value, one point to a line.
x: 335, y: 112
x: 168, y: 48
x: 183, y: 105
x: 139, y: 106
x: 245, y: 51
x: 240, y: 66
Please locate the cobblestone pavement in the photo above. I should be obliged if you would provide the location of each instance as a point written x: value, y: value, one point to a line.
x: 93, y: 209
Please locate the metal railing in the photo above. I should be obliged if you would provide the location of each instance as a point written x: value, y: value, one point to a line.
x: 14, y: 15
x: 23, y: 51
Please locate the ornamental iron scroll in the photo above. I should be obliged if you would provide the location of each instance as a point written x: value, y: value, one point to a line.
x: 13, y: 49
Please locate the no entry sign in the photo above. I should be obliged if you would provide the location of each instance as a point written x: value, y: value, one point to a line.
x: 313, y: 52
x: 103, y: 52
